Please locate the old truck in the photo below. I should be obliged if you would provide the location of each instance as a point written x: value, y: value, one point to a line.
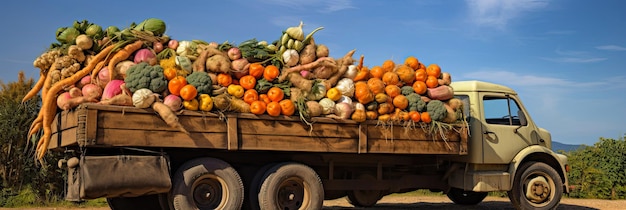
x: 239, y: 160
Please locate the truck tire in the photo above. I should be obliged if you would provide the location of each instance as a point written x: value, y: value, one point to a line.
x: 462, y: 197
x: 365, y: 198
x: 536, y: 186
x: 131, y: 203
x: 255, y: 186
x: 291, y: 186
x: 207, y: 183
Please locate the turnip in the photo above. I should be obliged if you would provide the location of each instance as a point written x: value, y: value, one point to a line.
x: 234, y: 53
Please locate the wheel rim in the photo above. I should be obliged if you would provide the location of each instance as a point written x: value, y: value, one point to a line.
x: 539, y: 189
x: 293, y: 193
x: 209, y: 192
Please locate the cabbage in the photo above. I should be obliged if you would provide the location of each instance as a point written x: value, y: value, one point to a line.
x: 111, y: 30
x: 156, y: 26
x: 94, y: 31
x: 68, y: 35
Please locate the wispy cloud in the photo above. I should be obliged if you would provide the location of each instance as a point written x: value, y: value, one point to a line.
x: 611, y: 48
x: 323, y: 6
x: 498, y: 13
x: 512, y: 78
x: 573, y: 56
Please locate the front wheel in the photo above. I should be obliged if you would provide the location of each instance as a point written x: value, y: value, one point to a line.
x: 207, y: 183
x: 291, y: 186
x: 536, y: 186
x: 462, y: 197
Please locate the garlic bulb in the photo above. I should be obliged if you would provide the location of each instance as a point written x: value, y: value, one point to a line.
x: 291, y: 57
x: 296, y: 32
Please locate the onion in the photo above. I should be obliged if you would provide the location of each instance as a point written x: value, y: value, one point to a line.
x: 173, y: 101
x: 143, y: 98
x: 234, y: 53
x: 75, y: 92
x: 144, y: 55
x: 328, y: 106
x: 351, y: 72
x: 346, y: 86
x: 157, y: 47
x: 113, y: 88
x: 343, y: 110
x: 122, y: 67
x: 172, y: 44
x: 103, y: 76
x: 92, y: 91
x: 84, y: 81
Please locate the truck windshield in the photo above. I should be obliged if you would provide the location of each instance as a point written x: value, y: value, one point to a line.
x: 502, y: 111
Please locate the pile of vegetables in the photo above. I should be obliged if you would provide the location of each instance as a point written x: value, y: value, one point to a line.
x: 140, y: 66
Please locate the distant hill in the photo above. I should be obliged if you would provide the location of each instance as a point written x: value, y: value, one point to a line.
x: 556, y: 146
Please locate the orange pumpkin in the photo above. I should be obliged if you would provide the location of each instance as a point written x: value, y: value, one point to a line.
x: 224, y: 79
x: 391, y: 78
x: 264, y: 98
x: 176, y: 84
x: 256, y: 70
x: 170, y: 73
x: 273, y: 109
x: 377, y: 72
x: 257, y: 107
x: 385, y: 108
x: 432, y: 82
x: 415, y: 116
x: 188, y: 92
x: 250, y: 96
x: 393, y: 91
x: 287, y: 107
x: 412, y: 62
x: 362, y: 93
x: 433, y: 70
x: 388, y: 66
x: 400, y: 102
x: 376, y: 85
x: 420, y: 75
x: 362, y: 75
x: 247, y: 82
x: 275, y: 94
x: 406, y: 74
x: 425, y: 117
x: 271, y: 72
x: 419, y: 87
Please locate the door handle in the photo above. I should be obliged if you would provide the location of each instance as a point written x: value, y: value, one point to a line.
x: 489, y: 132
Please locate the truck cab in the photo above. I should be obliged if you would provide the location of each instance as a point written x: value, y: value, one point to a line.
x: 507, y: 150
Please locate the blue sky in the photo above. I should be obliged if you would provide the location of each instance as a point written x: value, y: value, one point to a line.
x: 565, y: 58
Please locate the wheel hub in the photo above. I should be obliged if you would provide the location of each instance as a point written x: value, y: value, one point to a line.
x: 538, y: 190
x: 208, y: 193
x: 291, y: 195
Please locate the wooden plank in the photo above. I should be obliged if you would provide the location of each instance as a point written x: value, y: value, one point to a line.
x: 412, y: 147
x: 91, y: 126
x: 406, y: 133
x: 362, y: 138
x: 293, y: 143
x: 145, y: 121
x: 160, y: 138
x: 233, y: 137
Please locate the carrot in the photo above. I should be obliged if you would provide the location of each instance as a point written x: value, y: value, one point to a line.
x: 36, y: 88
x: 48, y: 105
x: 320, y: 61
x: 122, y: 55
x: 168, y: 116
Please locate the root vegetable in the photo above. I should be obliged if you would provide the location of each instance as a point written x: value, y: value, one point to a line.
x: 66, y: 102
x: 321, y: 51
x: 112, y: 89
x: 84, y: 81
x: 121, y: 68
x: 239, y: 105
x: 218, y: 64
x: 200, y: 63
x: 172, y: 44
x: 168, y: 116
x: 75, y: 92
x: 144, y: 55
x: 36, y: 88
x: 446, y: 78
x: 343, y: 110
x: 343, y: 64
x: 451, y: 114
x: 174, y: 102
x: 442, y: 93
x: 240, y: 65
x: 120, y: 100
x: 103, y: 77
x: 84, y: 42
x: 92, y: 91
x: 314, y: 109
x: 122, y: 55
x: 300, y: 82
x: 326, y: 61
x: 234, y: 53
x: 307, y: 55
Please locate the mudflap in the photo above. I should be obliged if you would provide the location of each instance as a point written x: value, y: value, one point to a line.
x: 118, y: 176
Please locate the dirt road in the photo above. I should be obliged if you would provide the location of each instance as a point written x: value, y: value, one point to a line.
x: 400, y: 202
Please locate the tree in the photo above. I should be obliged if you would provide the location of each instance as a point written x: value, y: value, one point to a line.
x: 20, y: 169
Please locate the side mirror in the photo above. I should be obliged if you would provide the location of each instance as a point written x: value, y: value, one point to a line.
x: 522, y: 120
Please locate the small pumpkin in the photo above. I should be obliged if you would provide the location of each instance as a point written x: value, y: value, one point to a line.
x: 333, y: 94
x: 247, y: 82
x: 287, y: 107
x: 371, y: 115
x: 381, y: 98
x: 224, y: 79
x: 393, y: 91
x: 273, y: 109
x: 188, y: 92
x: 412, y: 62
x: 388, y: 65
x: 359, y: 115
x: 432, y: 82
x: 256, y: 70
x: 433, y: 70
x: 420, y: 75
x: 176, y: 84
x: 271, y: 72
x: 275, y: 94
x: 401, y: 102
x: 362, y: 75
x: 419, y: 87
x: 376, y: 85
x: 377, y: 72
x: 406, y: 73
x: 425, y: 117
x: 258, y: 107
x: 415, y: 116
x: 250, y: 96
x: 391, y: 78
x: 362, y: 93
x: 385, y: 108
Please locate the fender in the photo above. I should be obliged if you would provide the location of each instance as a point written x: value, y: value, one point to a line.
x: 540, y: 154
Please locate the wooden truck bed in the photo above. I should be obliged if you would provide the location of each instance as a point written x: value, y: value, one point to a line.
x: 94, y: 125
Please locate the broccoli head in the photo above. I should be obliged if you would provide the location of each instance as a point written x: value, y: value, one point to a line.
x: 201, y: 81
x: 407, y: 90
x: 437, y: 110
x: 416, y: 103
x: 142, y: 75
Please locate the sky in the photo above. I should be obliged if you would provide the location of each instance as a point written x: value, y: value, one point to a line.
x: 566, y: 59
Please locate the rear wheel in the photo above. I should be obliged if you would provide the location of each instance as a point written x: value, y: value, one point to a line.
x: 131, y: 203
x: 463, y: 197
x: 207, y: 183
x: 365, y: 198
x: 290, y: 186
x: 536, y: 186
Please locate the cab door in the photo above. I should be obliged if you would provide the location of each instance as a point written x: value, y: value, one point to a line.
x: 505, y: 130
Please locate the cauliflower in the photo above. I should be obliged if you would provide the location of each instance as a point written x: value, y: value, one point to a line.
x: 201, y: 81
x: 416, y: 103
x: 143, y: 75
x: 437, y: 110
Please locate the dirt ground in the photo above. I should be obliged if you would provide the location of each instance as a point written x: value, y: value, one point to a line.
x: 435, y: 203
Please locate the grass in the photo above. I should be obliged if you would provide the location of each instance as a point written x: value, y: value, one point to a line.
x: 27, y: 198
